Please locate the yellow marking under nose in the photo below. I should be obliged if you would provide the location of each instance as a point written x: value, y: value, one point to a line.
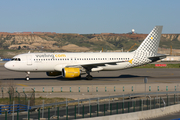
x: 22, y: 85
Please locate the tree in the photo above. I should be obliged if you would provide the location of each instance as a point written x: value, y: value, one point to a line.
x: 19, y: 47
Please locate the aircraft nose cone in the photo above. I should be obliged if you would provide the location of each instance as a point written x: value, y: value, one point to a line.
x: 7, y: 65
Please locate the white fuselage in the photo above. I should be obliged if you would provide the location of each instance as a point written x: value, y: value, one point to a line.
x: 44, y: 62
x: 73, y: 65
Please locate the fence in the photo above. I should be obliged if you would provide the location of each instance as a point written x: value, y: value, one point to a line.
x: 148, y: 87
x: 19, y: 97
x: 101, y: 106
x: 13, y: 108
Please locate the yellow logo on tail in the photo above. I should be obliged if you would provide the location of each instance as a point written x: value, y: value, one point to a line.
x: 130, y: 61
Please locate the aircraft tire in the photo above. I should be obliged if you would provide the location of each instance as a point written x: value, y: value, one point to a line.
x: 27, y: 78
x: 78, y: 78
x: 89, y: 77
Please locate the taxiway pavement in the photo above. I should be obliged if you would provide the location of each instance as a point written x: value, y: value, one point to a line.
x: 123, y: 79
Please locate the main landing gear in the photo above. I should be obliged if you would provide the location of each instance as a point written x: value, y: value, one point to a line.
x: 78, y: 78
x: 88, y: 77
x: 27, y: 76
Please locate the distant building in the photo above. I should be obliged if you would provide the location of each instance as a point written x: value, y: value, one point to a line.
x: 132, y: 31
x: 37, y: 32
x: 26, y: 32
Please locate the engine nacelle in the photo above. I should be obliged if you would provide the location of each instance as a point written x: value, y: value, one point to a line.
x: 71, y: 72
x: 53, y: 73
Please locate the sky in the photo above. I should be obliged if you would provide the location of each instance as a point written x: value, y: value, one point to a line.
x: 89, y: 16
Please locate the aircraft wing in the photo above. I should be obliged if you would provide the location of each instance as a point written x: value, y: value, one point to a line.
x: 94, y: 65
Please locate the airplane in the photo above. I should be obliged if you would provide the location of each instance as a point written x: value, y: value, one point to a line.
x: 73, y: 65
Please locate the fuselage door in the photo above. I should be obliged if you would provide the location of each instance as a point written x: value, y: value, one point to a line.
x: 29, y: 60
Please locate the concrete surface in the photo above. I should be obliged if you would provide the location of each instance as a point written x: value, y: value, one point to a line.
x: 124, y: 78
x: 140, y: 115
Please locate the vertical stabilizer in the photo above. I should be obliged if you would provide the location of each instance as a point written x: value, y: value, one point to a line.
x: 149, y: 46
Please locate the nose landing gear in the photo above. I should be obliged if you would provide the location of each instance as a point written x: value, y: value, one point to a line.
x: 27, y: 76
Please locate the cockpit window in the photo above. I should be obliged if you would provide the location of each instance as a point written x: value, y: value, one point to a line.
x: 15, y: 59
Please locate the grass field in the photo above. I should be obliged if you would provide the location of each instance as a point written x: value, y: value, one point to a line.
x: 153, y: 66
x: 38, y: 101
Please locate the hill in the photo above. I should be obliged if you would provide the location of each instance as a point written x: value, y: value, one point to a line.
x: 21, y: 42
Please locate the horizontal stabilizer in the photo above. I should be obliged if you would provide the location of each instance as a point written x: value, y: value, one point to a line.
x: 157, y: 57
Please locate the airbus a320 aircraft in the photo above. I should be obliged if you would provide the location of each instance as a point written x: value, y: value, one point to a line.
x: 73, y: 65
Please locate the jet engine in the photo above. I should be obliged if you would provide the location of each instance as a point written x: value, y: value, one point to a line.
x: 53, y: 73
x: 71, y: 72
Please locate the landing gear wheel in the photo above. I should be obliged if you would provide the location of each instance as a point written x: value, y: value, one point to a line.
x: 27, y: 78
x: 78, y: 78
x: 89, y: 77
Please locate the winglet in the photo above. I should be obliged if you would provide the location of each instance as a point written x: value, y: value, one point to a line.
x: 130, y: 61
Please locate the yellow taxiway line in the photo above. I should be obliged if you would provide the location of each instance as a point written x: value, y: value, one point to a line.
x: 22, y: 85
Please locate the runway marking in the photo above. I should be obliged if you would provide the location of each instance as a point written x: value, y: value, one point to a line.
x: 22, y: 85
x: 171, y: 74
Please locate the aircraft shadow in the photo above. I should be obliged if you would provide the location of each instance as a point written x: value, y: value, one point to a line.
x: 123, y: 76
x: 83, y: 78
